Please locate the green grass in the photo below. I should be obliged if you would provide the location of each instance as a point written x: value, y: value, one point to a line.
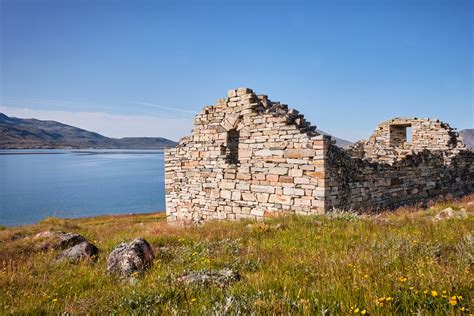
x: 395, y: 263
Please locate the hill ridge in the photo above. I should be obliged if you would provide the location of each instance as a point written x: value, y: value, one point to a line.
x: 18, y: 133
x: 467, y: 136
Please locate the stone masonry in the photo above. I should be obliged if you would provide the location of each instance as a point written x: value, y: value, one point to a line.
x: 390, y: 141
x: 248, y: 157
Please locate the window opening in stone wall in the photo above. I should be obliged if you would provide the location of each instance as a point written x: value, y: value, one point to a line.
x: 400, y: 134
x: 408, y: 134
x: 232, y: 150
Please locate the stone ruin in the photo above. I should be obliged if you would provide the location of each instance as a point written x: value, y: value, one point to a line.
x: 249, y: 157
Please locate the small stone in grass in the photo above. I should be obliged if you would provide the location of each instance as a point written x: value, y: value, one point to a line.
x: 280, y: 226
x: 450, y: 213
x: 219, y: 277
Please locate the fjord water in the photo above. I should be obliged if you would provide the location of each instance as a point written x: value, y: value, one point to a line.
x: 35, y: 184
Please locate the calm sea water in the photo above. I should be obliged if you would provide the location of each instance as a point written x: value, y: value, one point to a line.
x: 35, y: 184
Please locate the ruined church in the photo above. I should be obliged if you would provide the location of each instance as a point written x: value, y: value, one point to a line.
x: 248, y: 157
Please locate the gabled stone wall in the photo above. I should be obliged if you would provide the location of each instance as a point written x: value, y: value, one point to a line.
x: 248, y: 156
x: 278, y: 165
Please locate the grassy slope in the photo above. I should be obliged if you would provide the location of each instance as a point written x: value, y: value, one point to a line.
x: 389, y: 264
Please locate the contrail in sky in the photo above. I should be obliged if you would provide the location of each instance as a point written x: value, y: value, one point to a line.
x: 166, y: 108
x: 16, y: 101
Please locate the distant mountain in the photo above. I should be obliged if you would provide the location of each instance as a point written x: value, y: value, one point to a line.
x: 16, y: 133
x: 339, y: 141
x: 468, y: 137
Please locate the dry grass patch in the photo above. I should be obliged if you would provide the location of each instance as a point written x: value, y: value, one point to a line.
x: 398, y: 262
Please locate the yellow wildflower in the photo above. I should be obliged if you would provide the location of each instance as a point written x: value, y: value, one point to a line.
x: 402, y: 279
x: 434, y: 293
x: 356, y: 310
x: 363, y: 312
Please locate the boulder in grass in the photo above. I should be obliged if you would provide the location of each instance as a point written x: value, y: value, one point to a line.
x: 127, y: 259
x: 58, y: 240
x: 85, y: 251
x: 67, y: 240
x: 219, y: 277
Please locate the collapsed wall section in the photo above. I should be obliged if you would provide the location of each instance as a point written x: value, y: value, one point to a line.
x: 393, y: 168
x: 247, y: 156
x: 398, y: 137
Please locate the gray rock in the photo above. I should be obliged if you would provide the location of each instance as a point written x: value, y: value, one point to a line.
x: 67, y: 240
x: 446, y: 213
x: 280, y: 226
x: 127, y: 259
x: 58, y: 240
x: 46, y: 234
x: 80, y: 252
x: 219, y: 277
x: 450, y: 213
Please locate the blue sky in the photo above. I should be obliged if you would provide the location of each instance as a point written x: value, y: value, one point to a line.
x: 142, y: 68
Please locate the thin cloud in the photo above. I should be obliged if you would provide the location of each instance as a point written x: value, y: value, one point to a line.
x: 165, y: 107
x: 34, y: 102
x: 21, y: 101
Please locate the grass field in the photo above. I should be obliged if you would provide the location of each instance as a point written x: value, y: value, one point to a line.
x: 394, y: 263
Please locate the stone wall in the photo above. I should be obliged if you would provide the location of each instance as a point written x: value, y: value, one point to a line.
x: 391, y: 169
x: 390, y: 141
x: 354, y: 183
x: 248, y: 156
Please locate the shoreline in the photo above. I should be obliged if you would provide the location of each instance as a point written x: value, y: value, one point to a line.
x: 158, y: 214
